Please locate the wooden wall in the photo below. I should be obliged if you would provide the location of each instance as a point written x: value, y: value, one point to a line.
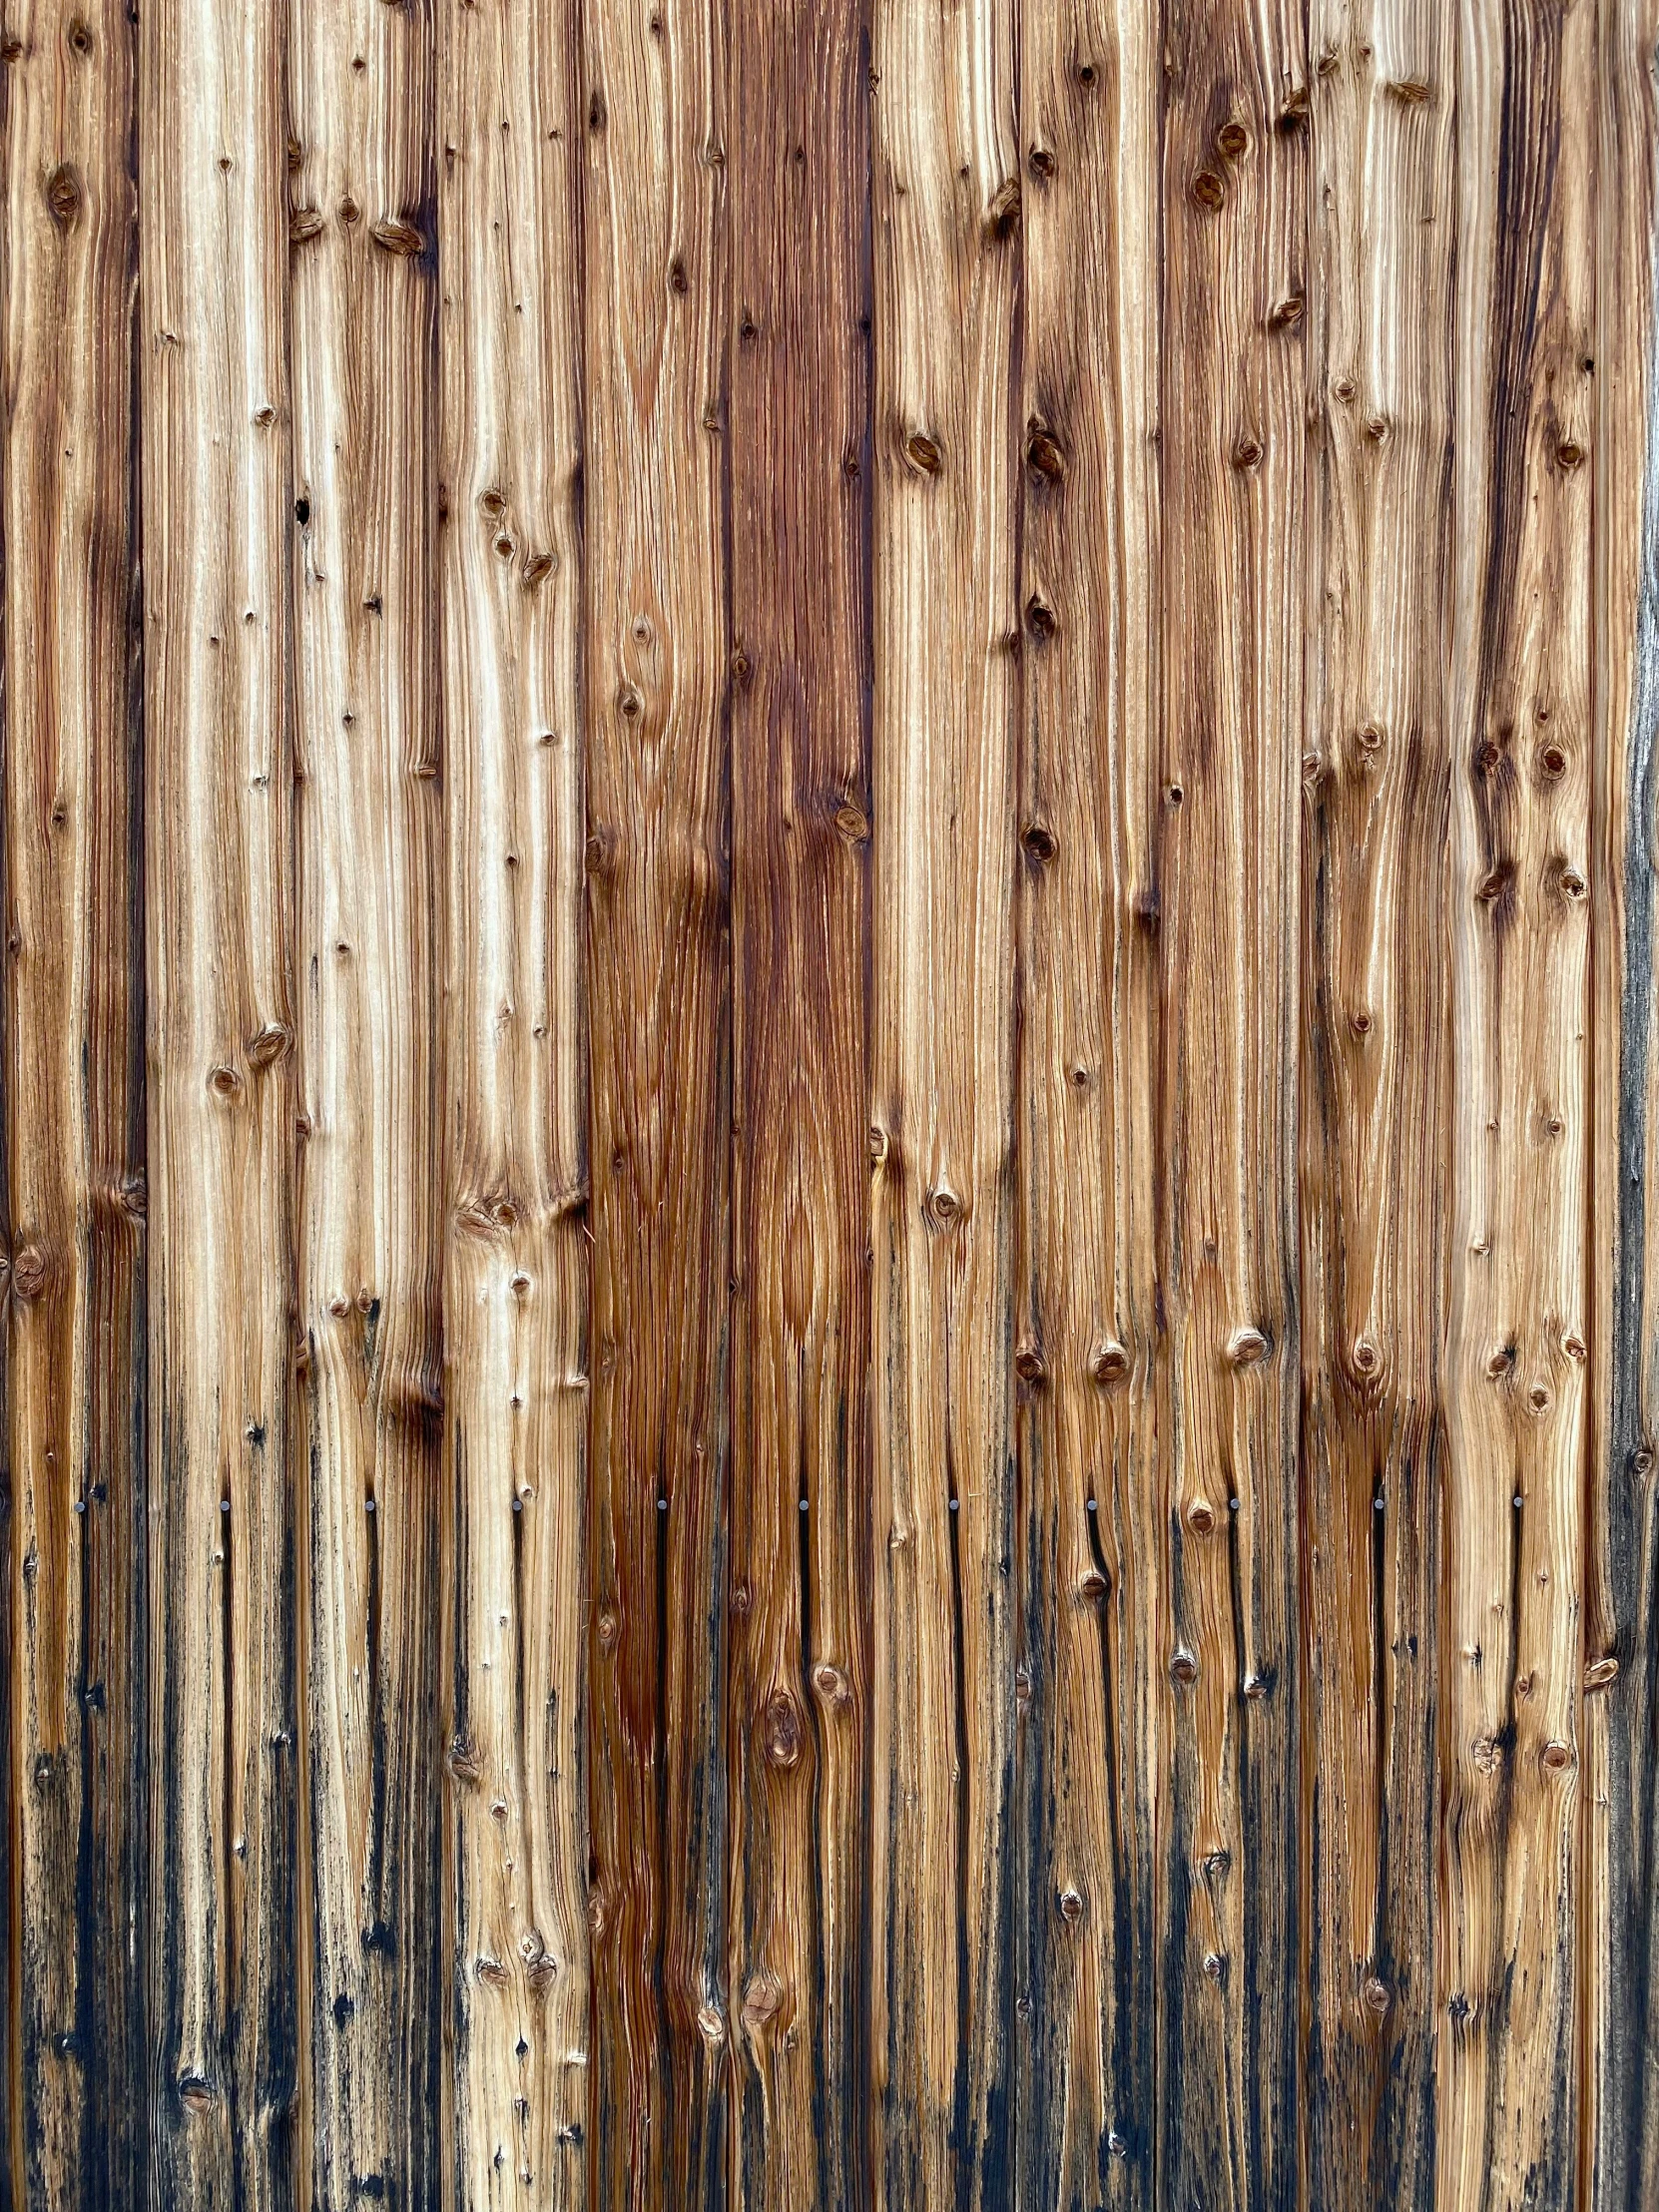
x: 829, y: 881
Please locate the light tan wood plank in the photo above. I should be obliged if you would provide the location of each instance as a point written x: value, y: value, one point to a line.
x: 226, y: 1934
x: 369, y: 945
x: 1521, y: 669
x: 515, y: 1320
x: 947, y: 637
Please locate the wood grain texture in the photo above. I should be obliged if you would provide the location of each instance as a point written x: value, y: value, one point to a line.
x: 799, y: 499
x: 75, y: 1074
x: 369, y: 934
x: 1091, y: 1542
x: 222, y: 2013
x: 655, y: 283
x: 1236, y: 166
x: 1518, y: 1404
x: 515, y: 1278
x: 828, y: 879
x: 1619, y: 1999
x: 1375, y: 1102
x: 946, y: 181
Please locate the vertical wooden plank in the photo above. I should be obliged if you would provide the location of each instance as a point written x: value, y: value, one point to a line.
x: 1090, y: 1531
x: 799, y: 504
x: 1375, y: 1103
x: 659, y: 959
x: 217, y: 869
x: 947, y: 196
x: 1517, y: 1408
x: 1619, y: 2002
x: 363, y: 302
x: 515, y: 1322
x: 73, y: 1075
x: 1233, y: 445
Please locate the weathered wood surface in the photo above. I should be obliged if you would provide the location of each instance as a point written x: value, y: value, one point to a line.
x: 828, y: 882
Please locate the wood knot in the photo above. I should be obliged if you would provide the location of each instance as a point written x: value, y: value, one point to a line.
x: 607, y: 1631
x: 1030, y: 1365
x: 31, y: 1272
x: 1569, y: 455
x: 1376, y: 1996
x: 79, y: 37
x: 1232, y: 141
x: 197, y: 2094
x: 1184, y: 1667
x: 304, y: 223
x: 924, y: 453
x: 1487, y: 1753
x: 1044, y: 455
x: 711, y: 2025
x: 1557, y: 1757
x: 761, y: 1996
x: 1039, y: 617
x: 395, y: 237
x: 1002, y: 216
x: 538, y: 568
x: 782, y: 1731
x: 1494, y: 882
x: 269, y: 1045
x: 1572, y: 884
x: 1201, y: 1516
x: 832, y: 1686
x: 63, y: 195
x: 1110, y: 1363
x: 1071, y: 1906
x: 1215, y: 1965
x: 1552, y: 763
x: 1287, y: 314
x: 492, y: 1971
x: 1247, y: 454
x: 1092, y: 1586
x: 942, y: 1207
x: 1039, y: 842
x: 1040, y: 162
x: 1245, y: 1347
x: 1600, y: 1672
x: 1207, y: 190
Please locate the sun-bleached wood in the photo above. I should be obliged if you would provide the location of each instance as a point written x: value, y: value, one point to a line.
x: 1375, y: 1102
x: 222, y: 2020
x: 1521, y: 665
x: 515, y: 1274
x: 368, y: 943
x: 945, y: 185
x: 1090, y: 1535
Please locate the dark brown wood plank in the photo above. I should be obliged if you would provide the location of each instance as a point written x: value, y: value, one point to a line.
x: 1233, y: 430
x: 1376, y: 1107
x: 1619, y: 1999
x: 75, y: 1132
x: 659, y: 978
x: 799, y: 499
